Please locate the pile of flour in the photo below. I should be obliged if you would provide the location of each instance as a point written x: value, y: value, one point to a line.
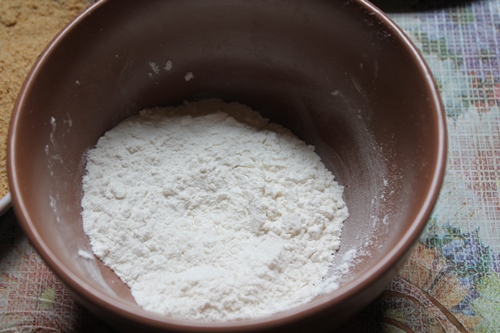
x: 209, y: 212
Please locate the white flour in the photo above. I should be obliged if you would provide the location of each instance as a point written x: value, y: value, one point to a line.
x: 210, y: 218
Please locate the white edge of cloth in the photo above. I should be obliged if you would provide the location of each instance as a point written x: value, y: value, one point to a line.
x: 5, y: 203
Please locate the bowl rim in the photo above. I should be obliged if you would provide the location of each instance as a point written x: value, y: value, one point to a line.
x: 89, y: 294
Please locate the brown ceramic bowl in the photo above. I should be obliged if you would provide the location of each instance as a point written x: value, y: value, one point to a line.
x: 337, y: 73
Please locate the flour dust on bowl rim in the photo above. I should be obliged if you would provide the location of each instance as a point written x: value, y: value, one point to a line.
x: 340, y: 75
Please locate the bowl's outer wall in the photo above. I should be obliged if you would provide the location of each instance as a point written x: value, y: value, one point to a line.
x: 331, y: 71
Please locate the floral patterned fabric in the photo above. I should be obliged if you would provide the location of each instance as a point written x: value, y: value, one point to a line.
x: 451, y: 282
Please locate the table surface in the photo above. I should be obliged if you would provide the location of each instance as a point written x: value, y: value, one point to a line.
x: 451, y: 283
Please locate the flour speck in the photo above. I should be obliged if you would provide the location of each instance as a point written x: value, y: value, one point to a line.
x: 168, y: 65
x: 189, y: 76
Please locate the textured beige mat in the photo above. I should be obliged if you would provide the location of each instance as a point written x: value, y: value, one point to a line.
x: 26, y: 27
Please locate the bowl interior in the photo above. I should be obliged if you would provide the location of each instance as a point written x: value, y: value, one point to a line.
x: 339, y: 76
